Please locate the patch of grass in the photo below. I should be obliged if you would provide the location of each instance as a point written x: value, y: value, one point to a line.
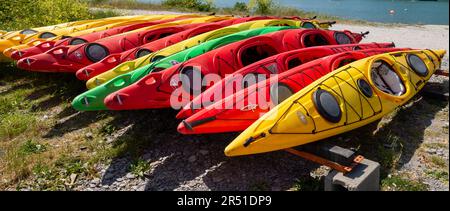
x: 438, y: 174
x: 435, y: 145
x: 14, y: 124
x: 139, y: 167
x: 308, y: 184
x: 397, y: 183
x: 438, y: 161
x: 389, y: 156
x: 32, y: 147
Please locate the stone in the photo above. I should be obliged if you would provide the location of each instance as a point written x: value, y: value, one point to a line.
x: 89, y: 135
x: 130, y: 176
x: 203, y: 152
x: 192, y: 159
x: 73, y: 178
x: 96, y: 181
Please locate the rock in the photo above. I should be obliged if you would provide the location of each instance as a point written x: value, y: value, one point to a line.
x: 73, y: 178
x: 45, y: 117
x: 119, y: 179
x: 96, y: 181
x: 89, y: 135
x: 217, y: 179
x: 192, y: 158
x: 203, y: 152
x: 130, y: 176
x: 431, y: 151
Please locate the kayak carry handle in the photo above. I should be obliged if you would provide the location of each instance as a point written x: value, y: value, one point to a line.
x: 364, y: 34
x: 330, y: 23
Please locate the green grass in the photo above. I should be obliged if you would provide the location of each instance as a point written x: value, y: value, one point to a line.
x: 32, y: 147
x: 438, y: 161
x: 438, y: 174
x: 397, y: 183
x: 14, y: 124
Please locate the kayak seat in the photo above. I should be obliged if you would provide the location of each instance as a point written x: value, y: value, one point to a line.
x: 386, y: 79
x: 257, y: 53
x: 315, y: 40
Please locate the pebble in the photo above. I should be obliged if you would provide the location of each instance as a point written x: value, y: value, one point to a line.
x: 73, y: 178
x: 89, y: 135
x: 130, y: 176
x: 431, y: 151
x: 192, y: 159
x: 203, y: 152
x: 96, y: 181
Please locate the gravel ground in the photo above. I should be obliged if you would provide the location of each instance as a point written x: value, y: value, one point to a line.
x: 197, y: 162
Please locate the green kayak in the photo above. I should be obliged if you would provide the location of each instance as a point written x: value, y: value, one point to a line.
x: 92, y: 100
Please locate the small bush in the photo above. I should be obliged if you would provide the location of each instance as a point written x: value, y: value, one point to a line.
x: 261, y: 6
x: 200, y: 5
x: 240, y: 7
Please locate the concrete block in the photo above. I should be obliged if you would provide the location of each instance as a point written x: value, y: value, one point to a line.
x: 364, y: 177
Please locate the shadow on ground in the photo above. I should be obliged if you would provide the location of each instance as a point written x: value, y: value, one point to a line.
x: 198, y: 162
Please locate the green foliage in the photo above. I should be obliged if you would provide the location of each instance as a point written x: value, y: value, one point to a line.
x: 438, y: 174
x: 261, y: 6
x: 200, y: 5
x: 22, y: 14
x: 32, y: 147
x: 240, y: 7
x: 139, y: 167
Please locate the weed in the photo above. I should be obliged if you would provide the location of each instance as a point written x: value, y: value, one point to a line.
x: 139, y: 167
x: 108, y: 129
x: 32, y: 147
x: 308, y: 184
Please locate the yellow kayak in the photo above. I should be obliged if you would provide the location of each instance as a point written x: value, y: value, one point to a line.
x: 140, y: 19
x: 142, y: 61
x: 350, y: 97
x: 60, y: 31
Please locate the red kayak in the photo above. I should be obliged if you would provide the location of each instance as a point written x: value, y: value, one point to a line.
x: 48, y: 45
x: 156, y: 89
x: 73, y: 58
x: 113, y: 60
x: 243, y: 108
x: 264, y: 68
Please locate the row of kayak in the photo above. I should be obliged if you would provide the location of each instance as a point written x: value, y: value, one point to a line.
x: 280, y: 81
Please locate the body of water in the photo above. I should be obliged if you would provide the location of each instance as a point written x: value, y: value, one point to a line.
x: 387, y: 11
